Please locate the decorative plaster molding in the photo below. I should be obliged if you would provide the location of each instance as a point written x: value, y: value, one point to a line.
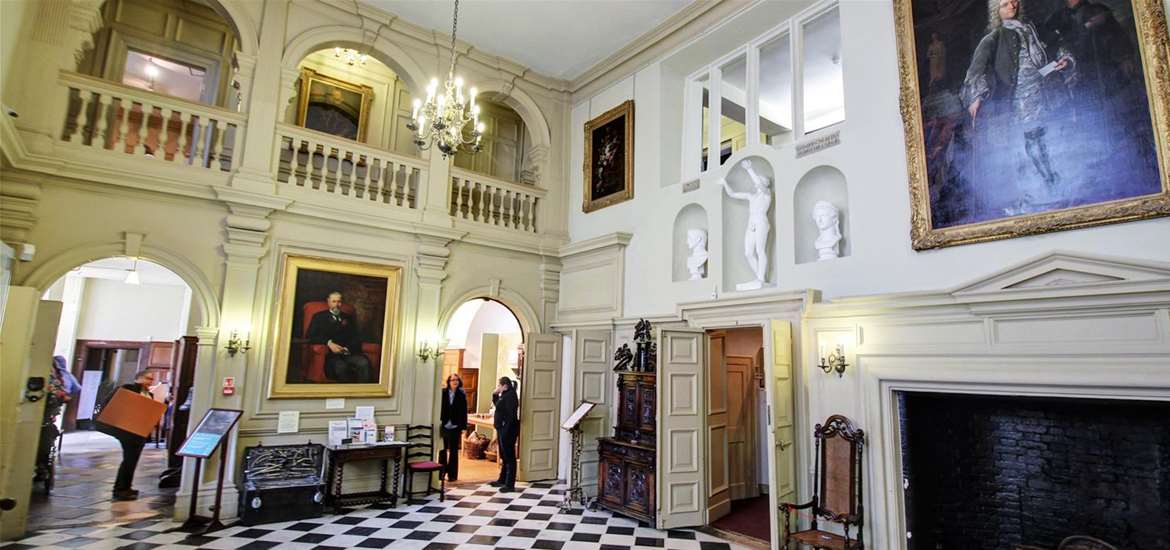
x: 618, y: 239
x: 20, y: 197
x: 431, y: 259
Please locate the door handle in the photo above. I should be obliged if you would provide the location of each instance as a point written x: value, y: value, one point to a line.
x: 7, y: 504
x: 783, y: 445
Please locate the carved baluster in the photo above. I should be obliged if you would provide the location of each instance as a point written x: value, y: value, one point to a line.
x: 372, y: 192
x: 301, y: 165
x: 117, y: 128
x: 388, y: 182
x: 535, y: 203
x: 485, y: 202
x: 318, y: 166
x: 225, y: 134
x: 401, y: 185
x: 525, y: 211
x: 135, y: 120
x: 101, y: 127
x: 87, y: 116
x: 497, y: 202
x: 454, y: 190
x: 412, y: 188
x: 169, y: 148
x: 74, y: 106
x: 194, y: 132
x: 345, y: 172
x: 332, y: 164
x: 361, y: 172
x: 286, y: 155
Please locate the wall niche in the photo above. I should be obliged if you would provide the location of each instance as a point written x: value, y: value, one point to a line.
x: 691, y: 216
x: 823, y: 183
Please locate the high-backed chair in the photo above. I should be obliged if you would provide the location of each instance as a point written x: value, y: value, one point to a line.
x: 313, y: 355
x: 419, y: 459
x: 837, y: 489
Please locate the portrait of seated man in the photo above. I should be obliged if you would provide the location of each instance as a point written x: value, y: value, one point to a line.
x: 338, y: 331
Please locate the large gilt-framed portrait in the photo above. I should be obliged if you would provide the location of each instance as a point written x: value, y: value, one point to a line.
x: 333, y: 106
x: 337, y: 329
x: 609, y: 158
x: 1030, y: 116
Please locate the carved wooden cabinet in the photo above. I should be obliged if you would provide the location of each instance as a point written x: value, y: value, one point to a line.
x: 627, y: 460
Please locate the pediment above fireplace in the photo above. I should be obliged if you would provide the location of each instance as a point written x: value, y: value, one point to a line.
x: 1062, y: 274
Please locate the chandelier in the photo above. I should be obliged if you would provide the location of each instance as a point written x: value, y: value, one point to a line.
x: 442, y: 121
x: 351, y: 57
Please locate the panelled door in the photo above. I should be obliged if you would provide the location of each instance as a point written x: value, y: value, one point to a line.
x: 593, y: 383
x: 741, y: 426
x: 781, y: 434
x: 540, y: 404
x: 715, y: 392
x: 681, y: 441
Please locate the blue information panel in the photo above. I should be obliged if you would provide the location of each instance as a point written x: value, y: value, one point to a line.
x: 203, y: 441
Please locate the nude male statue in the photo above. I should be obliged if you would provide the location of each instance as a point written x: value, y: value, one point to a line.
x: 755, y: 238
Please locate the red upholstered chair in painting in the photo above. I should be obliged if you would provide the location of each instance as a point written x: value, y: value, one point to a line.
x: 313, y: 355
x: 837, y: 490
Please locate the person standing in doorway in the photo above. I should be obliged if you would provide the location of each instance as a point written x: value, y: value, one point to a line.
x: 453, y: 419
x: 507, y: 432
x: 132, y: 444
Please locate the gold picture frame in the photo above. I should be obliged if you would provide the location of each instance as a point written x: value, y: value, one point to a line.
x: 609, y: 158
x: 338, y: 101
x: 1151, y: 29
x: 371, y: 297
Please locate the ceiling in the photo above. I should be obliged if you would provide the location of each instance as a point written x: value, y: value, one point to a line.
x: 558, y: 38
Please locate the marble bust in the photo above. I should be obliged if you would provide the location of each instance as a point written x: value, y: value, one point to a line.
x: 697, y: 260
x: 827, y: 218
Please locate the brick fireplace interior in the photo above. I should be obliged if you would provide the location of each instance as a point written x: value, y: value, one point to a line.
x: 994, y: 472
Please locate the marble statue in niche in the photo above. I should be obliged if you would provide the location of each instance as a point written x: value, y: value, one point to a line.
x: 697, y: 261
x: 755, y: 238
x: 827, y: 218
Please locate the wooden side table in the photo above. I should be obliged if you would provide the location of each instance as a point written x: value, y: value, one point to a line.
x: 340, y: 455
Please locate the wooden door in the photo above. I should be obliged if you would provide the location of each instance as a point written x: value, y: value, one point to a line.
x: 781, y: 436
x: 741, y: 426
x: 718, y: 469
x: 681, y: 414
x: 540, y: 404
x: 593, y: 382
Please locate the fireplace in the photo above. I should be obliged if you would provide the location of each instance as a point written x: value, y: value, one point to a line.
x: 992, y: 472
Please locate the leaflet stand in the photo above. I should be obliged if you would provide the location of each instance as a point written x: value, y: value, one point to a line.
x: 200, y: 445
x: 573, y: 426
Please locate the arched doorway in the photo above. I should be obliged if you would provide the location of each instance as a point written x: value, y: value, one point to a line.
x: 121, y: 316
x: 484, y: 342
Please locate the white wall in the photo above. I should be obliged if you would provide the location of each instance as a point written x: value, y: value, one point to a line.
x: 872, y: 158
x: 113, y: 310
x: 492, y: 318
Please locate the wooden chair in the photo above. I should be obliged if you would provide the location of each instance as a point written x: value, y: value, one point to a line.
x: 421, y: 450
x: 837, y: 490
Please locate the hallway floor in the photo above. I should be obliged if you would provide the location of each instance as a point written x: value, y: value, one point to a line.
x: 749, y: 517
x: 85, y: 481
x: 471, y: 518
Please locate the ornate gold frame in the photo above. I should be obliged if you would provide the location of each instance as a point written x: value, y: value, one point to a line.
x: 1150, y: 19
x: 278, y: 387
x: 590, y: 204
x: 307, y: 78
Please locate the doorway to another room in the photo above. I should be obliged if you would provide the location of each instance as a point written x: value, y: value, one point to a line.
x: 484, y: 342
x: 119, y: 316
x: 738, y: 461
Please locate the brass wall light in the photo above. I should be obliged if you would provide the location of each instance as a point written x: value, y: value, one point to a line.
x: 834, y: 361
x: 236, y: 345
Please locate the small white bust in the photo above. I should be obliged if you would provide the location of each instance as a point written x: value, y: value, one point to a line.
x: 826, y: 217
x: 697, y: 261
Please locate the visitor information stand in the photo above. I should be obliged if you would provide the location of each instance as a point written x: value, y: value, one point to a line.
x: 200, y: 445
x: 573, y: 426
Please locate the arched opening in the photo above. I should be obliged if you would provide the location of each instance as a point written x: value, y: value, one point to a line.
x: 344, y: 91
x: 141, y: 44
x: 484, y: 342
x: 120, y: 317
x: 505, y: 142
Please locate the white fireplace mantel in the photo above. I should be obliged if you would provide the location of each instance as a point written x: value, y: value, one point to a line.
x: 1059, y: 325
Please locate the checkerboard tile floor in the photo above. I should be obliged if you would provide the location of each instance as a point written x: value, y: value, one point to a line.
x: 471, y: 518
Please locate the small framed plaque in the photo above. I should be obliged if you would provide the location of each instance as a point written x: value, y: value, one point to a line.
x: 207, y: 436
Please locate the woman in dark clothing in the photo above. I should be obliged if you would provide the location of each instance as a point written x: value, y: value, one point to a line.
x: 507, y: 432
x: 453, y: 421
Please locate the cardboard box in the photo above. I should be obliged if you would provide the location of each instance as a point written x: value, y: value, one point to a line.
x: 132, y: 412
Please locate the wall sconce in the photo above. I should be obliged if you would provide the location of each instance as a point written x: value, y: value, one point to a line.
x: 835, y: 361
x: 235, y: 345
x: 428, y: 350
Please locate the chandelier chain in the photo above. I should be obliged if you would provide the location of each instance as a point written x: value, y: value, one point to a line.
x: 454, y: 26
